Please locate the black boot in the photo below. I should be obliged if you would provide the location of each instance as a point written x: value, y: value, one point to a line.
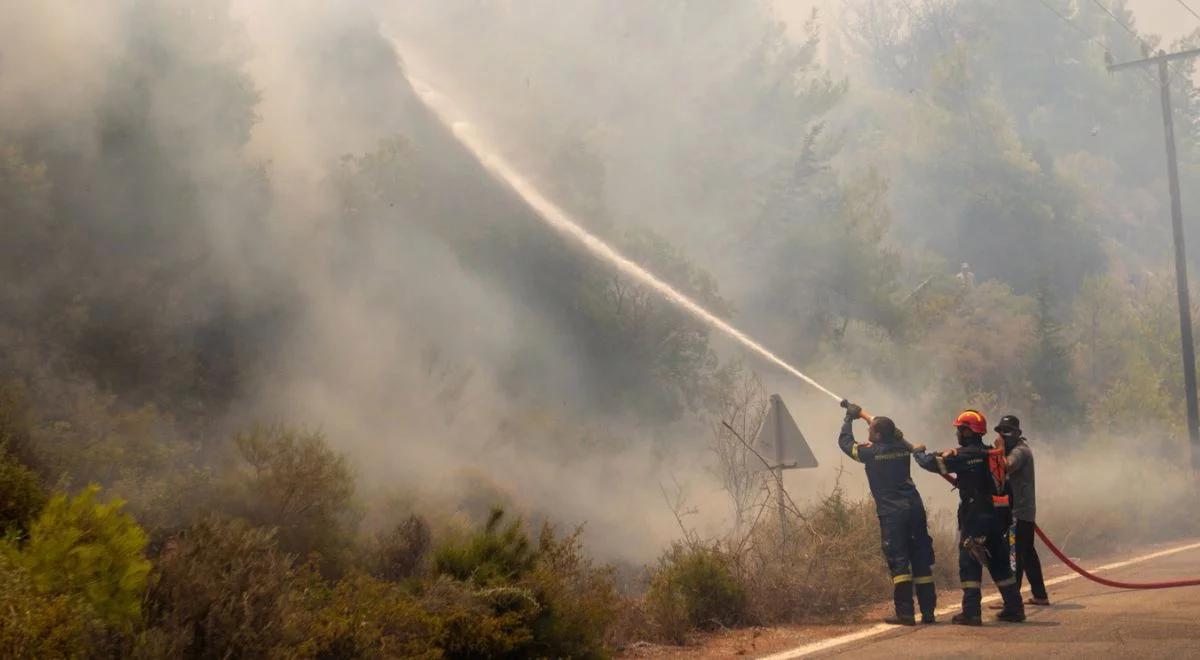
x: 927, y: 599
x: 902, y: 595
x: 961, y: 619
x: 1014, y: 609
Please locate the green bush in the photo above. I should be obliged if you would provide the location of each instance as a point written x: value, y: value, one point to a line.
x: 694, y: 587
x: 579, y: 601
x: 78, y: 547
x: 546, y: 599
x: 498, y: 554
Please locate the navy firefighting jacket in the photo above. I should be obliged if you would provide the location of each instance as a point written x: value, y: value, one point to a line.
x: 974, y: 481
x: 889, y: 472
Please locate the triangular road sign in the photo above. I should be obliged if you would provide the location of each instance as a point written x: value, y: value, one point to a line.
x: 780, y: 441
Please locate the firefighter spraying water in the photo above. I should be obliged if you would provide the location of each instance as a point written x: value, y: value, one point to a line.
x: 906, y: 544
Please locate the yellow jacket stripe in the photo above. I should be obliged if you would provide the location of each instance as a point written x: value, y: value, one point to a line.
x: 899, y: 579
x: 971, y: 584
x: 925, y: 579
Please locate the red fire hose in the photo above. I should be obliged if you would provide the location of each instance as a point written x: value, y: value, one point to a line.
x: 1106, y: 582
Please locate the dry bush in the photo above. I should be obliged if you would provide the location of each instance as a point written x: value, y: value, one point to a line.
x: 403, y: 552
x: 363, y: 617
x: 828, y: 568
x: 297, y: 484
x: 943, y: 527
x: 222, y: 589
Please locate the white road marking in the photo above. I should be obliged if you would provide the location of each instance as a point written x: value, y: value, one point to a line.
x: 881, y: 628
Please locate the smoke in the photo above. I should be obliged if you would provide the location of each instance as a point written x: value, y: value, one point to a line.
x: 300, y: 221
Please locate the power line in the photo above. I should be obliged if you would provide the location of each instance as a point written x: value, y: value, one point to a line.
x: 1085, y: 34
x: 1147, y: 51
x: 1073, y: 26
x: 1131, y: 31
x: 1190, y: 10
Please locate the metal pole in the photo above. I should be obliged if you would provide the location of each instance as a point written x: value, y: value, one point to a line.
x: 777, y: 405
x: 1181, y: 278
x: 1163, y: 59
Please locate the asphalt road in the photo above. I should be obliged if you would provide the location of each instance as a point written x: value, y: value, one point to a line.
x: 1086, y: 620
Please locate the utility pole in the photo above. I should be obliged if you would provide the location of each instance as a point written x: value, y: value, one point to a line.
x: 1163, y: 59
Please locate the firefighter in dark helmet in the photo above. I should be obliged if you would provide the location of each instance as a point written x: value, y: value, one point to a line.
x: 982, y: 538
x: 902, y: 525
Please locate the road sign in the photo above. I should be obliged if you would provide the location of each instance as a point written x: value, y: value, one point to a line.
x: 779, y: 439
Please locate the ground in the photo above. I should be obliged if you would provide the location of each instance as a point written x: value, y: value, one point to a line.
x: 1085, y: 620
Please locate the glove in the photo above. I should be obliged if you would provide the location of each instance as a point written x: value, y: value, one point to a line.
x: 853, y: 411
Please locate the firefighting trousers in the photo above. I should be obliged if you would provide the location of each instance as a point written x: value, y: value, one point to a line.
x: 909, y: 554
x: 1028, y: 562
x: 993, y: 548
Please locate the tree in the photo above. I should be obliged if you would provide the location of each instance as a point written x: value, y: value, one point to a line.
x: 300, y: 486
x: 741, y: 473
x: 1050, y: 368
x: 78, y: 547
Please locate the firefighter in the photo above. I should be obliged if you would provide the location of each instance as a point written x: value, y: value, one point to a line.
x: 982, y: 538
x: 902, y: 525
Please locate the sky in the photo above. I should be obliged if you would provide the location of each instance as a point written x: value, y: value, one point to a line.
x: 1168, y: 18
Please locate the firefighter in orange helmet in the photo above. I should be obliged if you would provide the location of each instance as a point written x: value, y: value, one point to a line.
x: 982, y: 538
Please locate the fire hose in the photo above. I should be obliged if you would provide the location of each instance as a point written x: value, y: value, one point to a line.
x: 1105, y: 581
x: 1116, y: 584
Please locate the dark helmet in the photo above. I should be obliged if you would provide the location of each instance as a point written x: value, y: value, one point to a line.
x: 883, y: 429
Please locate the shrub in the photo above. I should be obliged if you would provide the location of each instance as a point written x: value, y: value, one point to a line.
x: 579, y: 601
x: 79, y: 547
x: 498, y: 554
x: 546, y: 600
x: 39, y: 625
x: 694, y: 587
x: 223, y: 589
x: 401, y: 553
x: 299, y: 485
x: 364, y: 617
x: 21, y: 495
x: 494, y: 622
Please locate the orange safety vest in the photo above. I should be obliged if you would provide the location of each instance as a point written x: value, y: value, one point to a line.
x: 998, y: 466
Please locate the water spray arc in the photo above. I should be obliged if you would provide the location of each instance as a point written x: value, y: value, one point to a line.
x: 558, y: 219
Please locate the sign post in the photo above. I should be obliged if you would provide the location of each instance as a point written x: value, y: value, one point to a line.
x: 781, y: 438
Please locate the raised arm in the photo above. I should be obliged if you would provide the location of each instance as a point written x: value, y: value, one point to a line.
x: 846, y: 440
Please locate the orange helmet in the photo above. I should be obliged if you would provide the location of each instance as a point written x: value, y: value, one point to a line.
x: 972, y: 419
